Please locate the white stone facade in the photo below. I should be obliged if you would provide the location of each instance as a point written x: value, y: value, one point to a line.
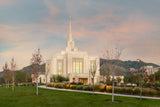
x: 73, y: 63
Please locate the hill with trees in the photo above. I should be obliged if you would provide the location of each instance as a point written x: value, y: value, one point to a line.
x: 125, y: 64
x: 128, y: 64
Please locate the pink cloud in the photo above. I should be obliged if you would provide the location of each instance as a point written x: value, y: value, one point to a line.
x: 51, y: 8
x: 6, y: 2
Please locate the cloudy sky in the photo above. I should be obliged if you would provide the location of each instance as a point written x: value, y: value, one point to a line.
x: 133, y: 25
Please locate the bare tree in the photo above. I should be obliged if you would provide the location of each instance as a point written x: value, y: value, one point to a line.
x: 112, y: 57
x: 93, y: 73
x: 142, y: 70
x: 36, y: 62
x: 13, y: 69
x: 6, y: 74
x: 105, y: 72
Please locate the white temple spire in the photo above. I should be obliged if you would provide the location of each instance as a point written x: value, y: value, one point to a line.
x: 70, y: 31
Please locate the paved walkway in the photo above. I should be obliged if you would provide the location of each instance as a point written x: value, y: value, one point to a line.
x: 97, y: 92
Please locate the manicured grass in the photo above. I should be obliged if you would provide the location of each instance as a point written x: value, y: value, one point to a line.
x: 25, y: 97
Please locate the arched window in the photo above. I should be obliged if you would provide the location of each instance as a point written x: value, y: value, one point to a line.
x: 60, y: 67
x: 77, y: 65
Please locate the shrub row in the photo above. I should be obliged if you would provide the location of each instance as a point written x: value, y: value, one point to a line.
x: 136, y: 91
x: 102, y: 88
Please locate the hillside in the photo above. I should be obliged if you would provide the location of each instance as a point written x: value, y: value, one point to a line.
x: 129, y: 64
x: 29, y: 70
x: 124, y: 64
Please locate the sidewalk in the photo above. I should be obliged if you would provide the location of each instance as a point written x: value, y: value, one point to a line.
x: 97, y: 92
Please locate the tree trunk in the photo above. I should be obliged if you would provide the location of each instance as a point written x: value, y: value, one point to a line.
x: 89, y: 78
x: 93, y: 85
x: 46, y: 81
x: 6, y: 84
x: 13, y: 82
x: 141, y: 88
x: 113, y: 88
x: 13, y: 87
x: 37, y: 87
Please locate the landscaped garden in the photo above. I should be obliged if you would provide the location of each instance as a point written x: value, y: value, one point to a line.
x: 107, y: 88
x: 25, y: 97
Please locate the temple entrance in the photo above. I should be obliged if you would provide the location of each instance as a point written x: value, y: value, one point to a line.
x: 74, y: 80
x: 83, y: 80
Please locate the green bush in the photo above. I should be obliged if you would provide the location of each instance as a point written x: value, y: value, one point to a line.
x: 145, y: 92
x: 58, y: 78
x: 158, y: 93
x: 156, y: 84
x: 129, y: 91
x: 73, y: 87
x: 79, y: 87
x: 152, y: 93
x: 87, y: 88
x: 136, y: 91
x: 97, y: 87
x: 109, y: 90
x: 64, y: 86
x: 59, y: 86
x: 119, y: 90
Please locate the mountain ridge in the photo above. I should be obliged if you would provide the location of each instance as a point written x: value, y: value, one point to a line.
x: 125, y: 64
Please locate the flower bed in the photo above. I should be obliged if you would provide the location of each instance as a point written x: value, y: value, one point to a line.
x: 103, y: 88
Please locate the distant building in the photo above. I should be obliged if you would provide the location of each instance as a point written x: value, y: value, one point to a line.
x: 116, y: 78
x: 150, y: 70
x: 156, y: 69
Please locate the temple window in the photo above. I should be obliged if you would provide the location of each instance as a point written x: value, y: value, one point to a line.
x: 92, y: 65
x: 77, y: 66
x: 59, y: 67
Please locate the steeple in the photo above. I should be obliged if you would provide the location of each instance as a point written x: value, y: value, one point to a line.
x: 70, y: 42
x: 70, y: 31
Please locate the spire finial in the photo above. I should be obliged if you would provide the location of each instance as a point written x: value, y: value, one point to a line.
x: 70, y: 17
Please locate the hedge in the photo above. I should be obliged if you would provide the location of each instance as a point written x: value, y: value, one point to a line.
x: 103, y: 88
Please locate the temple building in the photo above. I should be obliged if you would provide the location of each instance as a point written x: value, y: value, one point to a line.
x: 74, y: 64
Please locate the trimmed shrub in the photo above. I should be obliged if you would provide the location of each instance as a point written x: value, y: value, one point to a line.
x: 158, y: 93
x: 136, y: 91
x: 97, y: 87
x: 73, y: 87
x: 117, y: 90
x: 102, y: 88
x: 59, y: 86
x: 145, y: 92
x: 152, y: 93
x: 79, y: 87
x: 129, y: 91
x: 109, y: 89
x: 87, y: 88
x: 50, y: 85
x: 65, y: 86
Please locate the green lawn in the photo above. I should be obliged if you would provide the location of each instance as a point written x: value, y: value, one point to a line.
x: 25, y: 97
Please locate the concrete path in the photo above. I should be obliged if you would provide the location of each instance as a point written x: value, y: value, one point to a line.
x: 52, y: 88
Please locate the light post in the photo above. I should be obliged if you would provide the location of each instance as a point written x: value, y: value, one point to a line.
x: 140, y: 73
